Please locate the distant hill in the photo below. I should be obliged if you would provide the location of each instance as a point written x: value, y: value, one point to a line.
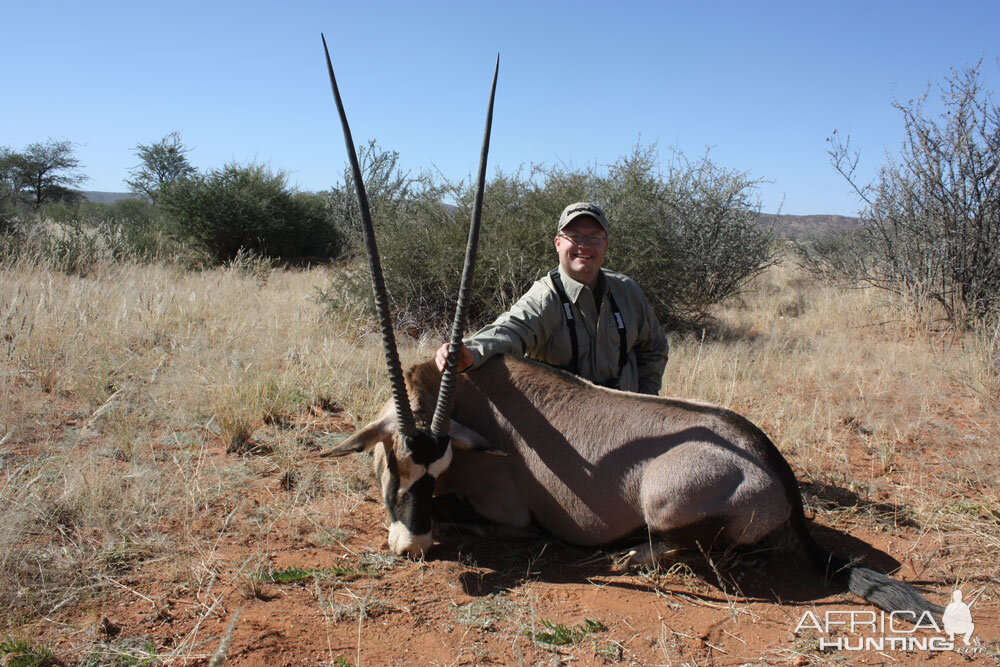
x: 797, y: 226
x: 109, y: 197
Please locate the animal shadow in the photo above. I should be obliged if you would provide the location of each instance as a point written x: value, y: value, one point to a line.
x: 774, y: 570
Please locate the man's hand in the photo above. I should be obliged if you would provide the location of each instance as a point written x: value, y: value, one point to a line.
x: 464, y: 358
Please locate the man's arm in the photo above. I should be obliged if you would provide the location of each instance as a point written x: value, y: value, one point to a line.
x: 651, y: 351
x: 526, y: 325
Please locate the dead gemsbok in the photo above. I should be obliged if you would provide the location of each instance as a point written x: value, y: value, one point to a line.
x: 590, y: 465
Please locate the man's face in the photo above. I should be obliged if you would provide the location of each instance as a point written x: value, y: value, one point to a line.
x: 582, y: 262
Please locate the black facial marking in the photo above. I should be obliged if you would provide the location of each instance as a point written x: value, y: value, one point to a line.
x: 426, y: 448
x: 414, y: 509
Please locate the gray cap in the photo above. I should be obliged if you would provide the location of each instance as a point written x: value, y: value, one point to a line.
x: 581, y: 208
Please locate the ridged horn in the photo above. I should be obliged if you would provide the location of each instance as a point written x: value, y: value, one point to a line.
x: 404, y: 415
x: 441, y: 422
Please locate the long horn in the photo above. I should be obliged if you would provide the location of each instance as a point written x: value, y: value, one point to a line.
x: 404, y: 415
x: 441, y: 421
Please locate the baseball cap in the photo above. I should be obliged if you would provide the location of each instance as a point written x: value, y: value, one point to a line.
x: 574, y: 211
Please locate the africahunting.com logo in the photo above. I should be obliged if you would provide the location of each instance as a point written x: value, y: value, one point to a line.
x: 846, y: 630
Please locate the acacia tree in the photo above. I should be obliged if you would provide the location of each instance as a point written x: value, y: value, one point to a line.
x: 687, y: 234
x: 161, y: 164
x: 44, y: 172
x: 390, y: 191
x: 932, y: 217
x: 8, y: 190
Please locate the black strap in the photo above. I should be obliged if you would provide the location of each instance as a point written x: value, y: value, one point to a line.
x: 571, y: 323
x: 622, y: 334
x: 570, y: 320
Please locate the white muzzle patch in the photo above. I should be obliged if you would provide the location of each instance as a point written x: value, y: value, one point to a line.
x: 404, y: 543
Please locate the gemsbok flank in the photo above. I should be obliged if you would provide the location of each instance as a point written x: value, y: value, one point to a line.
x: 525, y: 442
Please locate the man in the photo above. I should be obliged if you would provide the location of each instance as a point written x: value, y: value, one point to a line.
x: 612, y: 338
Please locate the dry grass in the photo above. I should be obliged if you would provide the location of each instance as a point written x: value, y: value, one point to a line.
x: 117, y: 392
x: 886, y: 419
x: 121, y: 391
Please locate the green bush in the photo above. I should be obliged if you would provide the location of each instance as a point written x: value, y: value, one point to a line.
x: 77, y: 238
x: 688, y: 236
x: 136, y: 229
x: 70, y: 247
x: 8, y: 214
x: 389, y: 190
x: 250, y: 208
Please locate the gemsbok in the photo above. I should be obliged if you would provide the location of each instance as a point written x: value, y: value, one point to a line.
x: 522, y: 442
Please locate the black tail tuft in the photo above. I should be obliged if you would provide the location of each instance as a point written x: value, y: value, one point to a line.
x: 886, y: 593
x: 881, y: 590
x: 878, y: 589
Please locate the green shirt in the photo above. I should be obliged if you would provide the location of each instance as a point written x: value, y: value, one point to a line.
x: 536, y: 327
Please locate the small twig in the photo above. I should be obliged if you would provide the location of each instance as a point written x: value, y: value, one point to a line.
x: 739, y: 639
x: 133, y: 591
x: 361, y: 618
x: 197, y: 626
x: 99, y: 411
x: 981, y: 591
x: 699, y: 639
x: 219, y: 656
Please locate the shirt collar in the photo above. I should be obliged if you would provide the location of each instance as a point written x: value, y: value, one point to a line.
x: 575, y: 288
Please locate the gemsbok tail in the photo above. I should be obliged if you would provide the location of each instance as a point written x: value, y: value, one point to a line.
x: 881, y: 590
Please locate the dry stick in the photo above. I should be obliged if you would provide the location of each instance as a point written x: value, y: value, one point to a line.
x: 700, y: 639
x: 219, y: 656
x: 197, y: 626
x: 133, y: 591
x: 326, y: 617
x: 361, y: 616
x: 97, y: 413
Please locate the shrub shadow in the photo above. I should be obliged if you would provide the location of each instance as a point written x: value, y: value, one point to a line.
x: 829, y: 497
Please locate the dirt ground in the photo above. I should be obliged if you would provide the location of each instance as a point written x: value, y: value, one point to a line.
x: 337, y: 597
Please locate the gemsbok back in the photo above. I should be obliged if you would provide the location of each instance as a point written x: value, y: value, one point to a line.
x: 523, y: 442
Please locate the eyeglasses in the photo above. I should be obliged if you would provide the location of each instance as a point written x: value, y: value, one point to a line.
x: 584, y: 239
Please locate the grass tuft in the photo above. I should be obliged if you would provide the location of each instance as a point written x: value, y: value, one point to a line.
x: 558, y: 634
x: 22, y: 653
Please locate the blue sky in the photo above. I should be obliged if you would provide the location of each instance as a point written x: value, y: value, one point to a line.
x: 762, y: 84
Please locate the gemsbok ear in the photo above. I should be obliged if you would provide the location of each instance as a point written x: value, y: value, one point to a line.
x: 364, y: 439
x: 469, y: 441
